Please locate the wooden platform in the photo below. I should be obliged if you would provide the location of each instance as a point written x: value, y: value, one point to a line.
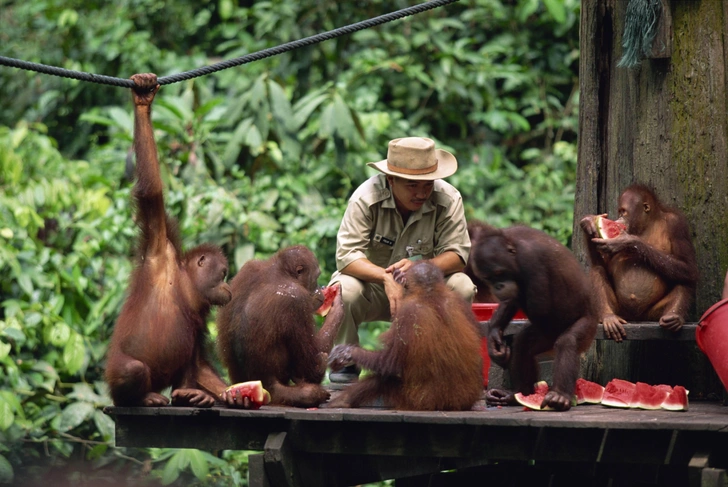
x: 635, y: 331
x: 675, y: 350
x: 591, y: 444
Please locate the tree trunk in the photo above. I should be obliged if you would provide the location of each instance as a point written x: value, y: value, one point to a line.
x: 664, y: 124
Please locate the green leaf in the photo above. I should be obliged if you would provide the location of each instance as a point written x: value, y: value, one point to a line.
x: 7, y: 417
x: 280, y: 105
x: 526, y: 8
x: 82, y: 391
x: 327, y: 121
x: 304, y: 108
x: 198, y: 464
x: 121, y: 118
x: 263, y: 220
x: 75, y: 414
x: 74, y: 354
x: 243, y: 254
x: 13, y: 401
x: 225, y: 9
x: 232, y: 149
x: 6, y: 471
x: 344, y: 123
x: 171, y: 470
x: 59, y: 334
x: 556, y: 9
x: 254, y: 140
x: 105, y: 425
x: 4, y: 350
x: 25, y: 283
x: 96, y: 452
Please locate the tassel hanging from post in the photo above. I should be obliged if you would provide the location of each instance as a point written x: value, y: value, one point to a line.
x: 640, y: 27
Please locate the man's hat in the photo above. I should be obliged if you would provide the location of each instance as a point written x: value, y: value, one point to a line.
x: 416, y: 158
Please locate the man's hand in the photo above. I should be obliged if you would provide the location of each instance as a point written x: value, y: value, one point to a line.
x: 146, y: 86
x: 403, y: 265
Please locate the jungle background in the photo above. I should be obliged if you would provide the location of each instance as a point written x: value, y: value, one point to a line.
x: 255, y: 158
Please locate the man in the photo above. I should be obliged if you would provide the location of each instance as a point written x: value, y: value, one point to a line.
x: 404, y: 214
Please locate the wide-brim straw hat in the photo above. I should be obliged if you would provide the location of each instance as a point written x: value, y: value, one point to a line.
x: 416, y: 158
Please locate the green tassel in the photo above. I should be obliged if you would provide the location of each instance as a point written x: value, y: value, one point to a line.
x: 640, y: 29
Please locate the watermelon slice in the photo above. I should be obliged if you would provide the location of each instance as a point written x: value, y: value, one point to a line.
x: 618, y: 393
x: 649, y: 397
x: 253, y: 390
x: 607, y: 228
x: 588, y: 392
x: 533, y: 401
x: 677, y: 400
x: 329, y: 293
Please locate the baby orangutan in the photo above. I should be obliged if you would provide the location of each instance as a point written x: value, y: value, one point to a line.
x: 430, y: 359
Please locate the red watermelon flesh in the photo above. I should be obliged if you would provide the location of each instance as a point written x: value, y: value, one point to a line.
x: 253, y: 390
x: 618, y: 393
x: 588, y: 392
x: 677, y: 400
x: 607, y: 228
x: 649, y: 397
x: 533, y: 401
x: 329, y: 293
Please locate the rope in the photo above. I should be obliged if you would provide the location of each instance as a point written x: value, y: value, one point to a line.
x: 640, y: 28
x: 289, y: 46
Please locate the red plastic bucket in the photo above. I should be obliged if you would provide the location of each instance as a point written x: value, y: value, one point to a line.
x: 712, y: 338
x: 484, y: 312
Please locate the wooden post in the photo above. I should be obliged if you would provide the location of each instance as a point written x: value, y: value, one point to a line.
x: 664, y: 124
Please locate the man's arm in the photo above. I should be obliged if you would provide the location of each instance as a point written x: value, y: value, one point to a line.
x: 366, y: 271
x: 452, y: 242
x: 448, y: 262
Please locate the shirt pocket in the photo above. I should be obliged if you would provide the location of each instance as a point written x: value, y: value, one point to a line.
x: 380, y: 253
x: 420, y: 249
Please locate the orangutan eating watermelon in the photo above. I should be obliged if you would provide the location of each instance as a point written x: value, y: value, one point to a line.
x: 648, y: 272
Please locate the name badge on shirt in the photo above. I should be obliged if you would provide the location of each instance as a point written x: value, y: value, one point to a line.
x: 384, y: 240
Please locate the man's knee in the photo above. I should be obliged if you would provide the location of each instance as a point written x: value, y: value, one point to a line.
x: 461, y: 284
x: 352, y: 289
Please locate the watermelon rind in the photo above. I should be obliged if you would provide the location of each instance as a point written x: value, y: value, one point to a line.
x: 588, y: 392
x: 677, y: 400
x: 607, y: 228
x: 533, y: 401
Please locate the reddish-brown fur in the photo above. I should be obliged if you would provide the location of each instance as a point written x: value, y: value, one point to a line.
x: 484, y: 293
x: 430, y: 360
x: 648, y: 273
x: 159, y: 336
x: 530, y: 270
x: 268, y: 331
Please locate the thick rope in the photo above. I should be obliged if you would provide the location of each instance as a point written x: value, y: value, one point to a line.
x: 640, y: 29
x: 289, y: 46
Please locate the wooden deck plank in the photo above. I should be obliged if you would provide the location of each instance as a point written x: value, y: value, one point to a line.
x: 706, y: 415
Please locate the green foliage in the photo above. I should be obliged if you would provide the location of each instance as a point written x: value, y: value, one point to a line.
x: 254, y: 158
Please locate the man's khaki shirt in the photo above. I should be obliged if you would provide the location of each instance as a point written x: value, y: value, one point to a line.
x: 372, y: 228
